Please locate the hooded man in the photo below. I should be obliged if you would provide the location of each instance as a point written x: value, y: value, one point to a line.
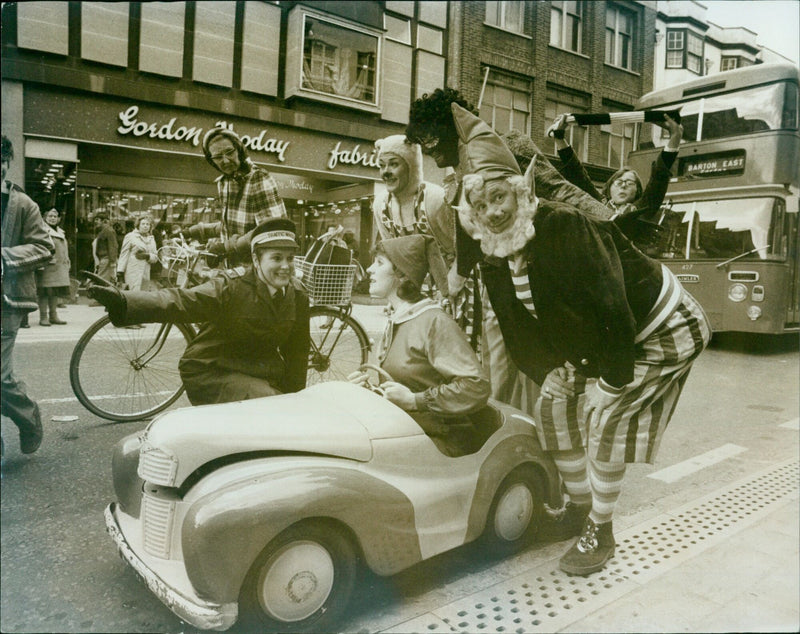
x: 247, y: 194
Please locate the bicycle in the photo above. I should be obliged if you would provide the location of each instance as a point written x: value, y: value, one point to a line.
x: 131, y: 373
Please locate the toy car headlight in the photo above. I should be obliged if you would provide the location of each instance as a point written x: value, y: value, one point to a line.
x: 156, y: 465
x: 737, y: 292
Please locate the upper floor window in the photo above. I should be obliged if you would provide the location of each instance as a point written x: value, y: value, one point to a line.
x: 616, y: 140
x: 566, y: 24
x: 506, y: 103
x: 339, y: 61
x: 685, y: 50
x: 562, y: 101
x: 729, y: 63
x: 620, y: 32
x: 508, y: 15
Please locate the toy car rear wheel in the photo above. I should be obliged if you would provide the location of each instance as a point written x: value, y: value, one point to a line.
x: 515, y: 514
x: 301, y: 582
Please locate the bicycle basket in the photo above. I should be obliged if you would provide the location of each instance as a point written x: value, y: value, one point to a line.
x: 328, y: 284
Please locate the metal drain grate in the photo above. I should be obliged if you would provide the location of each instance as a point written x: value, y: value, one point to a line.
x: 544, y: 599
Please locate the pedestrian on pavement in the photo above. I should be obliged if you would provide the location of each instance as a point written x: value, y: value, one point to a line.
x: 254, y: 334
x: 105, y: 248
x: 608, y: 333
x: 247, y: 194
x: 26, y: 245
x: 438, y: 378
x: 635, y: 207
x: 52, y: 280
x: 138, y: 252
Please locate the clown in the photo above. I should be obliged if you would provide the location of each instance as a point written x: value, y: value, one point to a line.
x: 608, y: 333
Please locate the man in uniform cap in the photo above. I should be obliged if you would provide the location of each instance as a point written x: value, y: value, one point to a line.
x: 253, y: 338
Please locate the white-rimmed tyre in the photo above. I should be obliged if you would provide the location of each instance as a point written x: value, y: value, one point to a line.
x: 516, y: 512
x: 301, y: 582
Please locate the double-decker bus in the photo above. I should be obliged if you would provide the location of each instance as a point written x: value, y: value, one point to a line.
x: 730, y: 219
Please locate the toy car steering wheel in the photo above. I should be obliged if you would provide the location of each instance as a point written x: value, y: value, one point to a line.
x: 383, y: 375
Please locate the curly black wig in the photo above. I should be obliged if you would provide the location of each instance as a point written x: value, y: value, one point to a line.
x: 430, y: 115
x: 8, y: 149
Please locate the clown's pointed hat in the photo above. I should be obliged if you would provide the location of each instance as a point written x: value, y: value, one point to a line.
x: 481, y: 150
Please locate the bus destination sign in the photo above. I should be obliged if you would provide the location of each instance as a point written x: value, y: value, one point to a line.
x: 729, y: 163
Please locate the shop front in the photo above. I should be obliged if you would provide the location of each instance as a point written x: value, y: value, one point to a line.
x: 87, y: 154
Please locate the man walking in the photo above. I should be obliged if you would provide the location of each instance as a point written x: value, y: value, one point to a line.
x: 26, y: 247
x: 106, y: 248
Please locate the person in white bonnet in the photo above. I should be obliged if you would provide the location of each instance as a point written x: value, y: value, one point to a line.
x: 411, y: 205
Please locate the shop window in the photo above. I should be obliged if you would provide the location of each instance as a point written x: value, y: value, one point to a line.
x: 397, y: 29
x: 213, y: 42
x: 335, y: 61
x: 429, y: 39
x: 508, y: 15
x: 161, y: 39
x: 620, y: 33
x: 685, y: 50
x: 563, y: 101
x: 566, y: 24
x: 104, y: 32
x: 616, y: 140
x: 506, y: 103
x: 260, y: 47
x: 43, y: 26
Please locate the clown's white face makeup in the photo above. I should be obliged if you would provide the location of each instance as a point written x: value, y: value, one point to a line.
x: 394, y: 172
x: 495, y: 205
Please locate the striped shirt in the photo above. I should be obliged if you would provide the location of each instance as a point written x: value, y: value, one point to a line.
x: 518, y: 266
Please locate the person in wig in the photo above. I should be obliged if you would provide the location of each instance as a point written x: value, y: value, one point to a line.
x: 609, y: 334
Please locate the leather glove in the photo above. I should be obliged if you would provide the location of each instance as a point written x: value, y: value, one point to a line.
x: 112, y: 299
x: 217, y: 247
x: 141, y: 255
x: 637, y: 229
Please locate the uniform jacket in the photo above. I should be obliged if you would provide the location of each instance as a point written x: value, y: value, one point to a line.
x: 136, y: 270
x: 242, y: 328
x: 590, y: 286
x: 55, y: 274
x: 26, y: 246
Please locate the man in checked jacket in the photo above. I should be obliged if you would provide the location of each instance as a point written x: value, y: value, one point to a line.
x: 247, y: 194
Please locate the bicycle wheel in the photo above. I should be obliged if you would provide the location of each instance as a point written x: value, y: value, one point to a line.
x: 339, y: 345
x: 126, y: 374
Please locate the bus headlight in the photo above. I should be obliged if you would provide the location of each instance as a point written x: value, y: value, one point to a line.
x: 753, y: 312
x: 737, y: 292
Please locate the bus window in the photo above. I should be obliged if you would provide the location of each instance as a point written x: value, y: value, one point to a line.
x: 721, y: 229
x: 732, y: 114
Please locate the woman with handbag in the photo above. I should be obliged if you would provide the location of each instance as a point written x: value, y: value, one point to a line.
x: 138, y: 252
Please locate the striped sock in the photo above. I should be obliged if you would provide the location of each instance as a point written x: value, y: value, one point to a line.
x: 606, y: 481
x: 572, y: 467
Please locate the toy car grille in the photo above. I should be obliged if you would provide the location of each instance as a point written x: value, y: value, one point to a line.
x: 328, y: 284
x: 156, y: 466
x: 157, y: 514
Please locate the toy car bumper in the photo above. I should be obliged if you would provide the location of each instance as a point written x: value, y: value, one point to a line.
x: 191, y: 609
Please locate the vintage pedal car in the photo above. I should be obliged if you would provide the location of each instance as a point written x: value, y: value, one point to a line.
x: 262, y: 510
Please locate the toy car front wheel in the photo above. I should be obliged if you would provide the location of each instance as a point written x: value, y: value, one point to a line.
x: 515, y: 513
x: 301, y: 582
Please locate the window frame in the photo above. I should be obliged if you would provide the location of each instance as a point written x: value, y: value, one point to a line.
x: 502, y: 6
x: 686, y: 35
x: 559, y: 7
x: 617, y: 37
x: 569, y: 101
x: 508, y: 81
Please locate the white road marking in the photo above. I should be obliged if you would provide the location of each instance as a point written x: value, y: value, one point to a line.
x: 791, y: 424
x: 104, y: 397
x: 687, y: 467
